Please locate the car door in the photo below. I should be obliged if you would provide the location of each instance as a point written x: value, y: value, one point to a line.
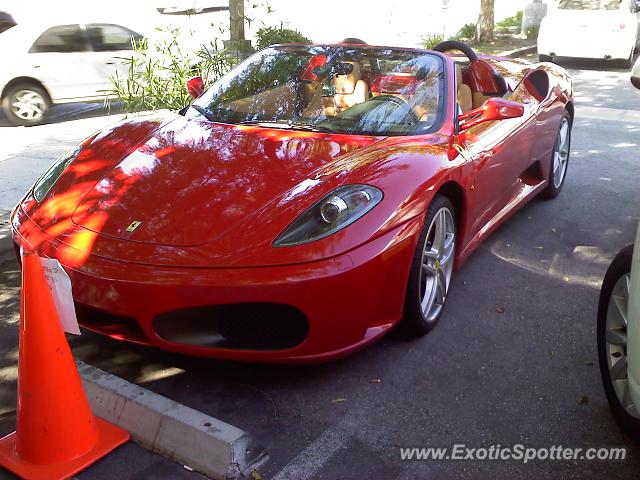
x: 60, y: 58
x: 112, y: 45
x: 500, y: 152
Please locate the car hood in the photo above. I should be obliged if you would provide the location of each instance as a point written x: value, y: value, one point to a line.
x: 192, y: 181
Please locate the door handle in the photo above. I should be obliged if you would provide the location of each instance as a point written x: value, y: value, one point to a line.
x: 110, y: 63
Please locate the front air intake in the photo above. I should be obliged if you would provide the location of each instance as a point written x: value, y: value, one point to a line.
x: 243, y: 326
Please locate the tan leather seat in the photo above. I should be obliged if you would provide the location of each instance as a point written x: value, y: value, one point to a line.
x: 465, y: 97
x: 478, y: 99
x: 350, y: 90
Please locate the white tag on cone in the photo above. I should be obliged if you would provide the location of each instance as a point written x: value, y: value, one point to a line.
x: 60, y: 287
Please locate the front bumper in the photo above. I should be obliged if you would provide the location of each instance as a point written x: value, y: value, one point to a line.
x: 348, y: 300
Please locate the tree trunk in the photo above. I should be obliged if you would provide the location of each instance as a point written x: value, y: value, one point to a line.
x: 236, y: 17
x: 484, y: 27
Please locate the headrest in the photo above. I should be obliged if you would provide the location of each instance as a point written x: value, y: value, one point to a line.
x: 346, y: 83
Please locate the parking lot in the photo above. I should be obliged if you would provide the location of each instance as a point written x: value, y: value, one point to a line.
x: 513, y: 360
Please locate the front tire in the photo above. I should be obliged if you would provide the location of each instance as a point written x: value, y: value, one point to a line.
x: 26, y: 104
x: 612, y: 342
x: 431, y: 270
x: 559, y: 158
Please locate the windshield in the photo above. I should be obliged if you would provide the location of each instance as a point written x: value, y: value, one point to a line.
x: 590, y: 4
x: 337, y: 89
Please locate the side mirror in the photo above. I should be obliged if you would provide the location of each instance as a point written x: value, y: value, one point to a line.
x: 493, y: 109
x: 195, y: 86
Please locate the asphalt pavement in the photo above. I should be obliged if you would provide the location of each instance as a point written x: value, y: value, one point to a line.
x: 513, y: 360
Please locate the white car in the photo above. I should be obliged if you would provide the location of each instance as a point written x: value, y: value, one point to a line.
x: 618, y: 333
x: 46, y: 64
x: 599, y: 29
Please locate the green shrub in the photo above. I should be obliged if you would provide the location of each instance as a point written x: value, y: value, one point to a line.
x: 468, y: 31
x: 430, y: 41
x: 268, y: 36
x: 157, y: 75
x: 511, y: 24
x: 532, y: 32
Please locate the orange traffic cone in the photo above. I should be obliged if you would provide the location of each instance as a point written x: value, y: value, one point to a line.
x: 56, y: 434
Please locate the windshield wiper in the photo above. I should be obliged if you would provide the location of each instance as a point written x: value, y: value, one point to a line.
x: 204, y: 112
x: 288, y: 124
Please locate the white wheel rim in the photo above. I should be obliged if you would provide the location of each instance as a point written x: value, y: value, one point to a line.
x: 437, y: 264
x: 28, y: 105
x: 561, y: 153
x: 616, y: 343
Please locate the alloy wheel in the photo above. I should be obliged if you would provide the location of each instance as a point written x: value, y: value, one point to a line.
x: 437, y: 264
x: 616, y: 343
x: 561, y: 153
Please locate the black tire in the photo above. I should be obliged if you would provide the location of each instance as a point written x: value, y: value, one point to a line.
x: 9, y: 97
x: 620, y: 266
x: 552, y: 191
x: 414, y: 322
x: 545, y: 58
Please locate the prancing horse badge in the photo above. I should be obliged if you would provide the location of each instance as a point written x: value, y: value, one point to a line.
x: 133, y: 225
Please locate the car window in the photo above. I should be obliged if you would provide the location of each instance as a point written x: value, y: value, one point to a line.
x: 109, y: 38
x: 341, y: 89
x: 63, y: 38
x: 590, y: 4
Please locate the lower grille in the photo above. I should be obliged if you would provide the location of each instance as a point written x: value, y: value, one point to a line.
x: 245, y: 326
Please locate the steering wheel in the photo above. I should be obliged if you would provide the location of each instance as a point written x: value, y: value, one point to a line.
x: 449, y: 45
x: 401, y: 103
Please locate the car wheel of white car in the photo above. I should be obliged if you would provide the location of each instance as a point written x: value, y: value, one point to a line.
x: 26, y: 105
x: 612, y: 342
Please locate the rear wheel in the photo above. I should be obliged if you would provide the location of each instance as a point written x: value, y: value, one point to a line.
x: 431, y: 270
x: 559, y: 158
x: 26, y: 104
x: 612, y: 342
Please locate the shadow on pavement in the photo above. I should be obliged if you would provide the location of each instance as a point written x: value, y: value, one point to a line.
x: 73, y: 111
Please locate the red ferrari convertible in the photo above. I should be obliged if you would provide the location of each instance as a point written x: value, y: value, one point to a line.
x: 305, y: 204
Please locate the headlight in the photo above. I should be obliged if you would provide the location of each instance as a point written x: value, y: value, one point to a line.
x: 334, y: 212
x: 51, y: 176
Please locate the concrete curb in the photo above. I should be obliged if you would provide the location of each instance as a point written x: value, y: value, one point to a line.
x: 6, y: 245
x: 217, y: 449
x: 518, y: 52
